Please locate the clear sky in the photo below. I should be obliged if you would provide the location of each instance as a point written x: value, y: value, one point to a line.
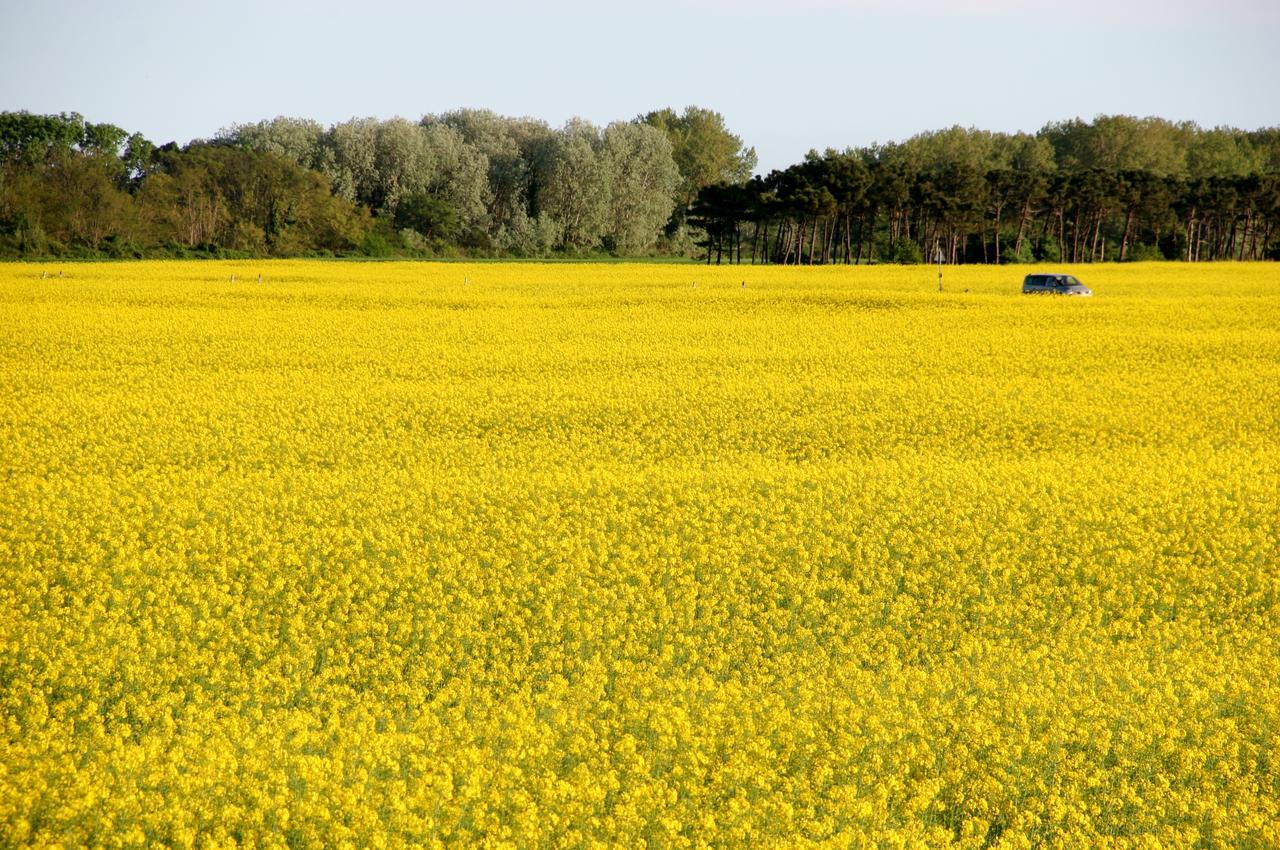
x: 788, y: 75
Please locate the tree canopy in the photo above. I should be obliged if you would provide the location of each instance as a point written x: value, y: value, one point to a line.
x: 677, y: 182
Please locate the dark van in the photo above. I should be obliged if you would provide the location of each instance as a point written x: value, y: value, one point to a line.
x: 1058, y: 284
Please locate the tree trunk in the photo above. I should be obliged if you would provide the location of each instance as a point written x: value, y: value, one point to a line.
x: 1022, y: 227
x: 1191, y: 225
x: 999, y: 209
x: 1097, y: 235
x: 1124, y: 241
x: 1075, y: 238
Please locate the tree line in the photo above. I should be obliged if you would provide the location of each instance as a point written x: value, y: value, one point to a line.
x: 1116, y: 188
x: 468, y: 182
x: 474, y: 183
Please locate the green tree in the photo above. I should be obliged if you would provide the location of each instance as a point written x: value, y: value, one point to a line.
x: 432, y: 217
x: 704, y: 150
x: 1221, y: 152
x: 506, y: 145
x: 220, y: 196
x: 137, y: 159
x: 29, y: 139
x: 1120, y: 142
x: 573, y: 185
x: 299, y: 140
x: 642, y: 184
x: 460, y: 176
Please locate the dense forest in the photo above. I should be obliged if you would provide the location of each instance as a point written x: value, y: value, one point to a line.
x: 474, y: 183
x: 1116, y: 188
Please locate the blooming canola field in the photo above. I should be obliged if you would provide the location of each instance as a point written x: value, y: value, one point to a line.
x: 638, y: 556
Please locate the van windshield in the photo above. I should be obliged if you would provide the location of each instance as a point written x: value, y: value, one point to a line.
x: 1059, y: 280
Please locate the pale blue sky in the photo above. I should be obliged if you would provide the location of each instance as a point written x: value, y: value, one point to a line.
x: 788, y: 76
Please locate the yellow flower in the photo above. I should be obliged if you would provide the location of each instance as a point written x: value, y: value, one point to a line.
x: 577, y: 555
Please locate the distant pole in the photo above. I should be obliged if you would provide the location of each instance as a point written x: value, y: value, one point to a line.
x: 938, y: 256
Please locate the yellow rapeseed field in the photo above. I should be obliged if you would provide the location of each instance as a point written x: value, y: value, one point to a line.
x: 638, y: 556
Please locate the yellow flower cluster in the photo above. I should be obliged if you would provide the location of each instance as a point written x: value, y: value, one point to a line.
x: 638, y: 556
